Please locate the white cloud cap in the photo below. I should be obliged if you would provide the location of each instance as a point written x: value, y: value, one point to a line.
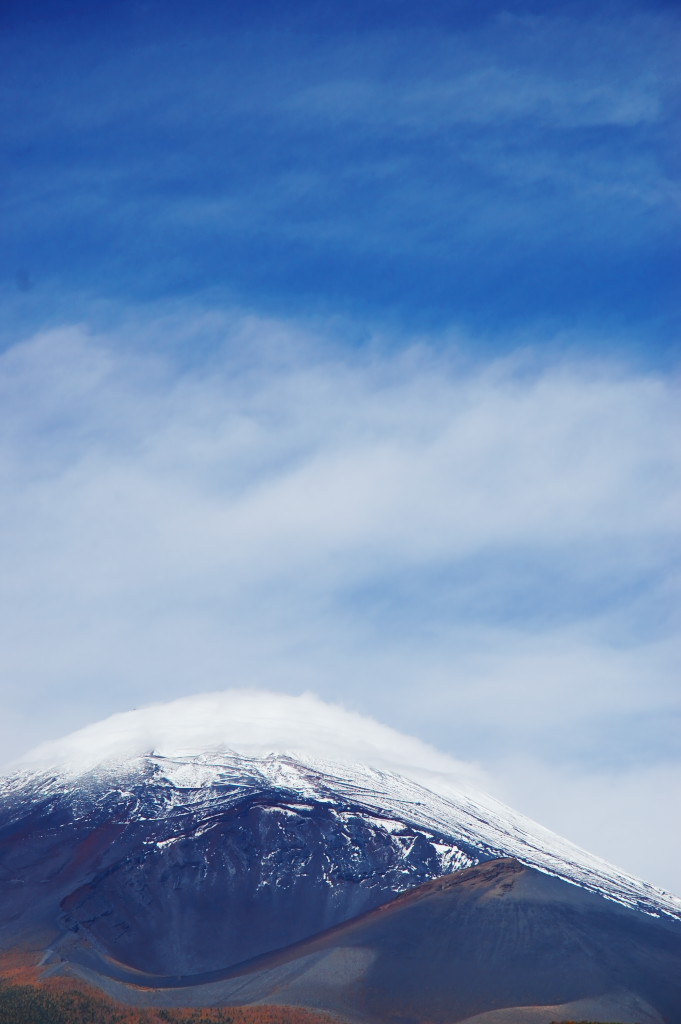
x: 256, y: 723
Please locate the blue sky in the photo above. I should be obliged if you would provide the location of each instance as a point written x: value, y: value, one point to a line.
x: 340, y: 353
x: 391, y: 162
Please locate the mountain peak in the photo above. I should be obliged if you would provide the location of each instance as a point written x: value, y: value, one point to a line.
x: 177, y: 871
x: 177, y: 797
x: 254, y: 723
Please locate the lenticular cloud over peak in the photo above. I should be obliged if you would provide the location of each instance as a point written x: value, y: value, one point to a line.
x: 255, y: 723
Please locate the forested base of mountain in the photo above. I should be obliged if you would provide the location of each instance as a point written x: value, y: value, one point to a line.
x: 38, y: 1004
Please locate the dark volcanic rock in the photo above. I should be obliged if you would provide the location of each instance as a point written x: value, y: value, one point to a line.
x: 186, y: 881
x: 499, y: 943
x: 190, y: 865
x: 265, y: 873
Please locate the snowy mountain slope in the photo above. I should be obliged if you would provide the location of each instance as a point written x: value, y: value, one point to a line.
x: 283, y: 846
x: 255, y: 825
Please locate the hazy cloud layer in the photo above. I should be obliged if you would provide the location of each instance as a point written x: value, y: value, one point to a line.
x: 478, y: 554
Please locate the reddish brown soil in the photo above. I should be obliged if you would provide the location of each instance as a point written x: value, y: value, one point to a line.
x: 20, y: 968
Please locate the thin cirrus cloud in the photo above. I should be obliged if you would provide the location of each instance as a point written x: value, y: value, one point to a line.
x: 491, y: 170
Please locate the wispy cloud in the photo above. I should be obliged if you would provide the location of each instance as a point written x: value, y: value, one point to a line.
x: 423, y: 167
x: 479, y: 553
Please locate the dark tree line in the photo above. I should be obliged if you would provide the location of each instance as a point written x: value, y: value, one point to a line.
x: 40, y: 1004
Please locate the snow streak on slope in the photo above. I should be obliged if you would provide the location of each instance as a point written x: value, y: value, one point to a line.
x: 196, y: 789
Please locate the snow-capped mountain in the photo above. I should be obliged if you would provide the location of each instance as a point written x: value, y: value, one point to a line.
x: 186, y: 864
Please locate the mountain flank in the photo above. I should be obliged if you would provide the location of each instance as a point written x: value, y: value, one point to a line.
x: 499, y: 943
x: 219, y: 879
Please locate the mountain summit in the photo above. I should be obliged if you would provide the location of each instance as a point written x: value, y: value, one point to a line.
x: 178, y: 876
x: 190, y: 864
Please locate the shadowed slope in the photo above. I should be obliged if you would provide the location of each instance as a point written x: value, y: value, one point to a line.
x: 465, y: 947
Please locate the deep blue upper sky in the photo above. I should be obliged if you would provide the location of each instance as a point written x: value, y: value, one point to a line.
x: 497, y: 168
